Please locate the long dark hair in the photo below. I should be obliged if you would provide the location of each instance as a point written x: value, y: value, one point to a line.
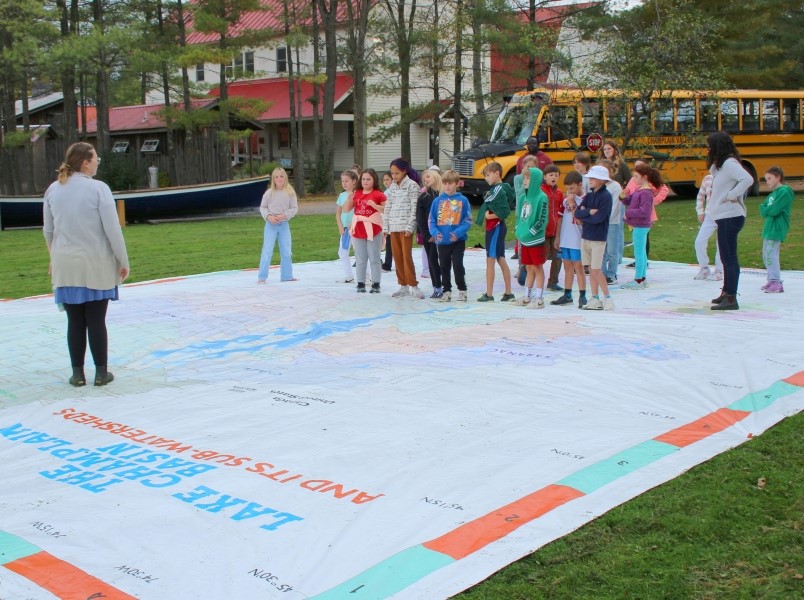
x: 721, y: 148
x: 374, y: 176
x: 653, y: 176
x: 403, y: 165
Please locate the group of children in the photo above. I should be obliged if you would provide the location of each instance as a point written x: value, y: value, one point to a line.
x: 580, y: 228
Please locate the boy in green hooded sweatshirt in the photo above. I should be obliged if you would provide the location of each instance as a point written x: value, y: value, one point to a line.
x: 776, y: 212
x: 530, y: 231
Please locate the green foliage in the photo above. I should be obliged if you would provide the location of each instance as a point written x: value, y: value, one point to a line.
x: 119, y: 172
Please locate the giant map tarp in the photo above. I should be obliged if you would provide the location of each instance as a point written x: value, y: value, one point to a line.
x: 299, y: 440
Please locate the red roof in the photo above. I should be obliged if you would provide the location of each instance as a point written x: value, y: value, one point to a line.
x: 275, y: 90
x: 271, y: 18
x: 140, y: 117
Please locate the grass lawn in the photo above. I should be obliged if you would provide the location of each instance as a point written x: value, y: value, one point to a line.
x: 710, y: 533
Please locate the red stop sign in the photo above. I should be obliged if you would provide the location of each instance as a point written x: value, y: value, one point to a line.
x: 594, y: 142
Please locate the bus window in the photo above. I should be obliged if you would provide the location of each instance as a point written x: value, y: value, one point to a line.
x: 792, y: 115
x: 770, y: 115
x: 663, y: 116
x: 750, y: 115
x: 640, y: 116
x: 708, y: 115
x: 563, y: 122
x: 686, y: 115
x: 729, y: 120
x: 592, y: 114
x: 616, y: 118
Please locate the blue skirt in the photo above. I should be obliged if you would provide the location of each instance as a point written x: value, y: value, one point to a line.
x: 80, y: 295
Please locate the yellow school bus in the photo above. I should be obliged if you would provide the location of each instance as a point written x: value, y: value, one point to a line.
x: 671, y: 129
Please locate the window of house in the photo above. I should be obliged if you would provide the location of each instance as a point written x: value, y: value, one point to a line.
x: 120, y: 147
x: 281, y: 59
x: 199, y: 72
x: 283, y: 136
x: 244, y: 63
x: 150, y: 146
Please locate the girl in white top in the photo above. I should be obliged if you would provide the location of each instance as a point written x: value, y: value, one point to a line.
x: 279, y: 205
x: 349, y: 181
x: 708, y: 227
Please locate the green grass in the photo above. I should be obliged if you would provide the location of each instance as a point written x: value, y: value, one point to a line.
x: 710, y: 533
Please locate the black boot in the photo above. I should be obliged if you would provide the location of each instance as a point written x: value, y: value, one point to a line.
x: 729, y: 302
x: 102, y: 376
x: 78, y: 378
x: 720, y: 298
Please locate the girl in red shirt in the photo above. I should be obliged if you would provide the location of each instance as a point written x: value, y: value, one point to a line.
x: 366, y: 229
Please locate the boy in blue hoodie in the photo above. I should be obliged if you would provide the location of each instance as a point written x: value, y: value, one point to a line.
x: 449, y: 223
x: 594, y: 217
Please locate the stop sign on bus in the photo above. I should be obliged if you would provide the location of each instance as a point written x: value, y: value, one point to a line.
x: 594, y: 142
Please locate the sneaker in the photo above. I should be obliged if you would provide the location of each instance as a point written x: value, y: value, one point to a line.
x: 766, y: 286
x: 703, y: 273
x: 611, y: 280
x: 507, y: 297
x: 416, y: 292
x: 562, y: 301
x: 555, y: 288
x: 523, y: 301
x: 446, y: 297
x: 631, y: 265
x: 375, y: 288
x: 361, y: 287
x: 352, y: 280
x: 461, y: 295
x: 515, y: 256
x: 261, y: 281
x: 402, y: 291
x: 582, y: 301
x: 586, y: 269
x: 537, y: 303
x: 486, y: 298
x: 608, y: 304
x: 633, y: 285
x: 594, y: 304
x: 775, y: 287
x: 437, y: 293
x: 426, y: 275
x: 716, y: 276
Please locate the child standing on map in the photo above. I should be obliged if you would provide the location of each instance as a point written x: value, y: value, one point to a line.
x: 594, y: 215
x: 449, y: 223
x: 495, y: 209
x: 707, y: 228
x: 400, y: 223
x: 776, y: 212
x: 279, y: 205
x: 366, y: 229
x: 530, y: 231
x: 343, y: 218
x: 569, y: 240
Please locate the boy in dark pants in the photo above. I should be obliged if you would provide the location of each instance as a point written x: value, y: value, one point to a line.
x: 449, y: 223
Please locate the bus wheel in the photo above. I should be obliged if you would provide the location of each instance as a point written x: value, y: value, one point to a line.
x: 754, y: 189
x: 684, y: 190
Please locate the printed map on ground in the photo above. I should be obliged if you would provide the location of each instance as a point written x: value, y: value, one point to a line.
x: 299, y: 440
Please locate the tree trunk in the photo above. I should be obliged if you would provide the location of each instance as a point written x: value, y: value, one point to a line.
x: 103, y: 139
x: 457, y: 111
x: 67, y: 75
x: 329, y: 18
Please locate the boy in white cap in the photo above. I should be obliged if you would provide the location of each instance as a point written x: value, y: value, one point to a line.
x: 594, y: 215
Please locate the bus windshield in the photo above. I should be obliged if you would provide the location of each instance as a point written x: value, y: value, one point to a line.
x: 515, y: 125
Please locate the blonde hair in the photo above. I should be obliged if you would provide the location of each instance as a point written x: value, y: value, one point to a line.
x: 288, y: 188
x: 435, y: 177
x: 451, y: 176
x: 530, y: 159
x: 74, y: 159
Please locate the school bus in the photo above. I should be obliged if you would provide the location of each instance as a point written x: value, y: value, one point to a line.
x: 670, y: 129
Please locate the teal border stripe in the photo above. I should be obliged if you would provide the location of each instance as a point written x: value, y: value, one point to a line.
x: 389, y: 576
x: 757, y: 401
x: 610, y: 469
x: 14, y: 548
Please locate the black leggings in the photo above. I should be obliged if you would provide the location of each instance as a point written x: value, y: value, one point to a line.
x: 88, y: 319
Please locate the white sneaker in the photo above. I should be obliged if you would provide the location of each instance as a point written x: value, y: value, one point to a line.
x: 523, y: 301
x: 402, y: 291
x: 445, y: 297
x: 608, y: 304
x: 703, y: 273
x: 416, y: 292
x: 537, y: 303
x: 593, y: 304
x: 461, y: 296
x: 715, y: 276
